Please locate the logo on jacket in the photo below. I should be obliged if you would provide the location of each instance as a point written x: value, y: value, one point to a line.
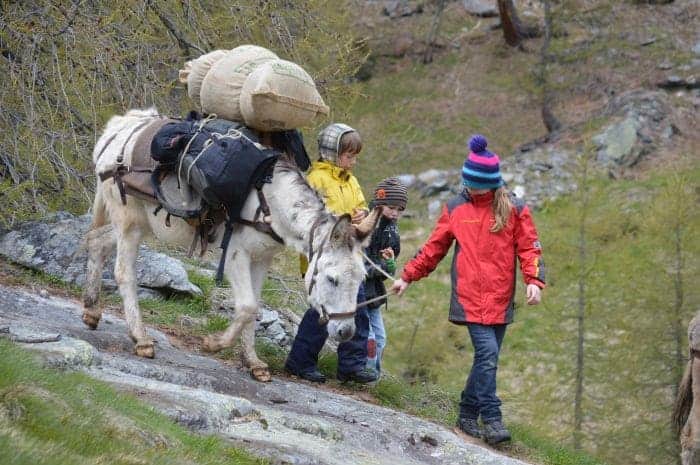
x: 537, y: 245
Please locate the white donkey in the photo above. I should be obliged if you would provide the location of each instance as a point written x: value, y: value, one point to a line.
x: 297, y: 215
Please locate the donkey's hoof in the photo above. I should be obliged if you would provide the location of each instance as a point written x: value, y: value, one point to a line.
x: 91, y: 319
x: 211, y: 344
x: 261, y: 374
x: 145, y: 349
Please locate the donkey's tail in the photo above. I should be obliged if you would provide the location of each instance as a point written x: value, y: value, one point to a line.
x: 99, y: 216
x: 99, y: 209
x: 684, y: 401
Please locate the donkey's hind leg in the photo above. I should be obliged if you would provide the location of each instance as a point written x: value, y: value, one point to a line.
x: 128, y: 239
x: 99, y: 242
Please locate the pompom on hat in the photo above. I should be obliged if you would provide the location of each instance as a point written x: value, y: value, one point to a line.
x: 391, y: 192
x: 481, y: 169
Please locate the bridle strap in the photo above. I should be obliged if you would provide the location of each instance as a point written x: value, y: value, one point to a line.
x: 312, y: 233
x: 325, y: 316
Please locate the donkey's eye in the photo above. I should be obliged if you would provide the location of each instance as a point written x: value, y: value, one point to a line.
x: 332, y: 280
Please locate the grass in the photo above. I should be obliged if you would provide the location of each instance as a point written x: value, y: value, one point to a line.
x: 70, y: 419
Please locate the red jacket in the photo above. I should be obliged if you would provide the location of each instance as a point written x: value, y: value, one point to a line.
x: 483, y: 265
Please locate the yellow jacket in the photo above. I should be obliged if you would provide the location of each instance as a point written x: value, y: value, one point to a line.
x: 340, y: 192
x: 339, y: 188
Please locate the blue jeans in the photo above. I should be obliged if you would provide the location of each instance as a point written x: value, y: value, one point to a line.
x: 377, y: 333
x: 479, y: 395
x: 352, y: 355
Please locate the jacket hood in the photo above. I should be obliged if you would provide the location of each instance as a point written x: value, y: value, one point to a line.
x: 337, y: 173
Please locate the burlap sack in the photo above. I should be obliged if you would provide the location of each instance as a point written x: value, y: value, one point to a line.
x: 221, y: 88
x: 194, y: 71
x: 184, y: 72
x: 280, y: 95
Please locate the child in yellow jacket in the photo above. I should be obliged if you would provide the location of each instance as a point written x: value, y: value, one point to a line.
x: 338, y: 147
x: 332, y: 177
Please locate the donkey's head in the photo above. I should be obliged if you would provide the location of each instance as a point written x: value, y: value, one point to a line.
x: 335, y: 273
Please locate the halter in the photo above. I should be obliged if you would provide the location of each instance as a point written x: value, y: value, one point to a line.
x: 325, y: 316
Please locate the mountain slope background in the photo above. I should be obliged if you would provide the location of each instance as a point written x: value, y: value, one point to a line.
x: 621, y: 247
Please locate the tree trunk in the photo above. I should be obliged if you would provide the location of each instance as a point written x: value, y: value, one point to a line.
x: 680, y: 335
x: 548, y: 118
x: 580, y: 317
x: 510, y: 22
x: 428, y: 56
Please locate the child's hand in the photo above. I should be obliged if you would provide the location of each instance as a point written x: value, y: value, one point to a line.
x: 358, y: 215
x: 399, y: 287
x: 387, y: 254
x: 534, y: 294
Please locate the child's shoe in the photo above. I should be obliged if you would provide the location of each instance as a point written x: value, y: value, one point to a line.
x: 470, y: 426
x: 495, y: 432
x: 366, y: 375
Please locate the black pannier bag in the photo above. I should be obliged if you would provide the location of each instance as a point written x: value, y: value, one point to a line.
x: 225, y: 168
x: 171, y: 140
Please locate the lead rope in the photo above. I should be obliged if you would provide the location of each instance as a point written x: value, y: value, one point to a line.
x: 376, y: 267
x: 387, y: 275
x: 206, y: 144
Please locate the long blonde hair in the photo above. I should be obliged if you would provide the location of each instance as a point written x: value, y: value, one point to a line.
x: 502, y: 207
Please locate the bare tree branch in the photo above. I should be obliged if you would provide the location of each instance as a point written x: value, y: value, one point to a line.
x: 182, y: 42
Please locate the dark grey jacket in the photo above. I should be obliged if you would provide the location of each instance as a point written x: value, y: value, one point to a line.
x: 385, y: 235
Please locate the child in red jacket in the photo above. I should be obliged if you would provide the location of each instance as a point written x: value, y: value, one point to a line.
x: 491, y: 229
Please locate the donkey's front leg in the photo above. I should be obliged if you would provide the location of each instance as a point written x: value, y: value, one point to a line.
x: 258, y: 369
x: 125, y: 273
x: 246, y: 306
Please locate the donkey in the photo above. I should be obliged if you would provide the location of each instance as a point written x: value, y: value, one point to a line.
x: 296, y: 214
x: 686, y: 413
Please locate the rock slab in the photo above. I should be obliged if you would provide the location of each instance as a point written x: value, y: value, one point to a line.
x: 284, y: 421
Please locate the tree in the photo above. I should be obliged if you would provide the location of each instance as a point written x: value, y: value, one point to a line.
x: 514, y: 31
x: 69, y: 66
x: 548, y: 118
x: 583, y: 259
x: 432, y: 35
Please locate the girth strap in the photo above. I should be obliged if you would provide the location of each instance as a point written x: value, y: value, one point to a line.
x: 260, y: 226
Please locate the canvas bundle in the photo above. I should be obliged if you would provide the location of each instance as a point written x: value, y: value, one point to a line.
x: 196, y: 70
x: 280, y: 95
x: 251, y: 84
x: 221, y: 88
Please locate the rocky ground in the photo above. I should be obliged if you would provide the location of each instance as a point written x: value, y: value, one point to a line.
x: 288, y: 422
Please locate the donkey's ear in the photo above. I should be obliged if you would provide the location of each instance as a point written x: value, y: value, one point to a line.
x: 365, y: 229
x: 340, y: 234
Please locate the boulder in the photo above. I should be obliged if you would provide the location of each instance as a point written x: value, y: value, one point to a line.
x: 481, y: 8
x: 55, y: 247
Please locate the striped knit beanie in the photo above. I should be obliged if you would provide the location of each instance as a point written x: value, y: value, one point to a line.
x: 481, y: 168
x: 391, y: 192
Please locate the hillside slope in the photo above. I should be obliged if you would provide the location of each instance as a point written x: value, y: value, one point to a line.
x: 627, y: 233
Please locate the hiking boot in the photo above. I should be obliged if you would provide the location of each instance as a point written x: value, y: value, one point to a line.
x: 470, y: 426
x: 366, y: 375
x: 312, y: 374
x: 494, y: 432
